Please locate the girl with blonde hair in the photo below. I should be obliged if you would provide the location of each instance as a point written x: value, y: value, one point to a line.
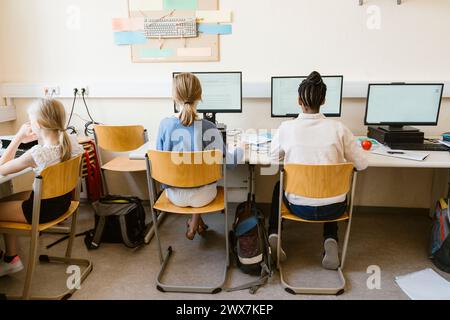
x: 47, y: 123
x: 186, y: 132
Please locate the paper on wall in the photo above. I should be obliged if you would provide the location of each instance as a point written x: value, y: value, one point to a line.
x: 213, y: 16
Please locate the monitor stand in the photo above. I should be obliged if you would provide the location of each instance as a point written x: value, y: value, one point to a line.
x: 398, y: 129
x: 210, y: 117
x: 220, y: 126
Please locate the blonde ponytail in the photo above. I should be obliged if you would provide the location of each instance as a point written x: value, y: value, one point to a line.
x: 51, y: 116
x: 188, y: 115
x: 187, y: 92
x: 66, y: 147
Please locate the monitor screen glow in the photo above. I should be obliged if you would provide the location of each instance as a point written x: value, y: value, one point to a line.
x: 403, y: 104
x: 285, y: 96
x: 222, y: 92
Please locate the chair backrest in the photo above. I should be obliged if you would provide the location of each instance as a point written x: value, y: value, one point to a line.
x: 119, y: 138
x: 61, y: 178
x: 186, y: 169
x: 318, y: 181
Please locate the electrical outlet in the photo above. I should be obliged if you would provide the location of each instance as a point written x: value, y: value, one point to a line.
x: 80, y: 91
x: 51, y: 92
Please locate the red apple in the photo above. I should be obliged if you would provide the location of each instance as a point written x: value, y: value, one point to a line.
x: 366, y: 144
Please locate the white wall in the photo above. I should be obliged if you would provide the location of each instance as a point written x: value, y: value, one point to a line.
x: 273, y: 37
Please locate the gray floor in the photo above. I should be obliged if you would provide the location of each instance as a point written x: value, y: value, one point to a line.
x: 396, y: 242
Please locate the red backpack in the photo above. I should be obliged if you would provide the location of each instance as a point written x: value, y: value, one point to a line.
x: 92, y: 172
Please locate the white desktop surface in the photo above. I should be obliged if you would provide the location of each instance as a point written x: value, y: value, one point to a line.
x: 436, y: 159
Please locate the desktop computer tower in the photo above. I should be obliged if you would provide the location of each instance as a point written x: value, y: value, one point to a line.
x: 386, y: 137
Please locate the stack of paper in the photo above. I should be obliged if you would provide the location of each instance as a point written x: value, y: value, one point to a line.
x: 256, y: 139
x: 424, y: 285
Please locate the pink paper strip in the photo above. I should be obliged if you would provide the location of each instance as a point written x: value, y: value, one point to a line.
x: 132, y: 24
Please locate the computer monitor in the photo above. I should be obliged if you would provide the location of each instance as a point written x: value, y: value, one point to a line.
x: 222, y: 92
x: 285, y: 96
x: 401, y: 104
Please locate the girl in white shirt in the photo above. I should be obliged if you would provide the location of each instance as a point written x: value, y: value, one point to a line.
x: 47, y: 122
x: 314, y: 139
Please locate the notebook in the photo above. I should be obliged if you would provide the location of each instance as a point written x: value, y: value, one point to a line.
x: 402, y: 154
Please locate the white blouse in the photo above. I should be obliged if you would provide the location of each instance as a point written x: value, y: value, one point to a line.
x: 47, y: 155
x: 314, y: 139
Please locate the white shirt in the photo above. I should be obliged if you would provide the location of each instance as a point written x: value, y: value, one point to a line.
x: 47, y: 155
x: 314, y: 139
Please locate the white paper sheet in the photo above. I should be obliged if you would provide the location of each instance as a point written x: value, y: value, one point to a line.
x: 445, y: 143
x: 409, y: 155
x: 424, y: 285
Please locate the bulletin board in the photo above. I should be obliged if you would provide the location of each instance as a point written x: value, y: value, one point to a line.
x: 203, y: 48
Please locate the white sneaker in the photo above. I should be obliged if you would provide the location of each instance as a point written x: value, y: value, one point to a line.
x: 273, y: 242
x: 331, y: 257
x: 10, y: 268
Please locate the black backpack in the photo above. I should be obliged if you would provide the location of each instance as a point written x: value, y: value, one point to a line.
x: 249, y: 244
x: 118, y: 219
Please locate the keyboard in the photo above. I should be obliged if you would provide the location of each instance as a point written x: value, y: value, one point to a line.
x: 419, y: 146
x: 170, y: 28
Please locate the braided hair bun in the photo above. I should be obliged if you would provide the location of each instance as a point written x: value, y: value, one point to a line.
x: 312, y: 91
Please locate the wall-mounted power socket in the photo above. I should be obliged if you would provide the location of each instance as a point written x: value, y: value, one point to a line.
x: 80, y: 91
x: 52, y: 91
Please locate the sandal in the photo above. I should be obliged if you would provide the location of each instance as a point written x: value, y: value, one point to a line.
x: 190, y: 234
x: 202, y: 228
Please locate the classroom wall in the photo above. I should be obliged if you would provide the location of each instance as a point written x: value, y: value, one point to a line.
x: 270, y: 37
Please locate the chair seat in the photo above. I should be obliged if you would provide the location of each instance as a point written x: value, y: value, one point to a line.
x: 124, y: 164
x: 163, y: 204
x: 286, y: 214
x: 44, y: 226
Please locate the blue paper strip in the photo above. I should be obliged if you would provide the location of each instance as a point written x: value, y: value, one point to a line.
x: 128, y: 37
x: 215, y: 28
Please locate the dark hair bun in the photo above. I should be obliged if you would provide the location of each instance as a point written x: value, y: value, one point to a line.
x: 314, y: 78
x: 312, y: 91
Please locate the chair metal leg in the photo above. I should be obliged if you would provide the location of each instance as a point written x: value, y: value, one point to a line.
x: 191, y: 289
x: 53, y: 259
x: 151, y: 232
x: 311, y: 290
x: 31, y: 265
x: 315, y: 290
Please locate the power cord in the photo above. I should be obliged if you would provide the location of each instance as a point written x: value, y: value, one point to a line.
x: 69, y: 127
x: 88, y: 127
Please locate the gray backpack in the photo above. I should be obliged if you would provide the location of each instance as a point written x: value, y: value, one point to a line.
x: 117, y: 220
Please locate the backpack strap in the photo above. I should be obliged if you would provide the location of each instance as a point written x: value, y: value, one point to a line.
x: 253, y: 286
x: 123, y: 231
x: 246, y: 225
x: 99, y: 231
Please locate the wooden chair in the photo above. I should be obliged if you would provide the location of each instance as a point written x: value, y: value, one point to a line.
x: 54, y: 181
x: 119, y: 139
x: 197, y: 170
x: 317, y: 181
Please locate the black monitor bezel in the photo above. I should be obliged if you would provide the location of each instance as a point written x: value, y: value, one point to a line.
x: 403, y: 123
x: 211, y: 110
x: 330, y: 115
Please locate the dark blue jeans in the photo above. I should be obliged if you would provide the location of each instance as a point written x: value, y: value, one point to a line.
x: 328, y: 212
